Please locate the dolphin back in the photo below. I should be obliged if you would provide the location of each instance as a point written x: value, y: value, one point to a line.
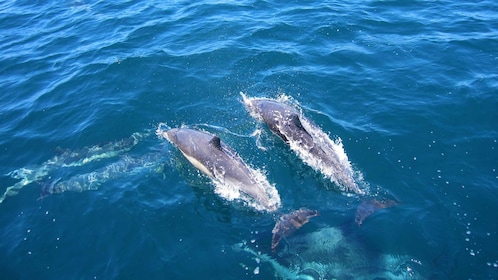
x: 282, y: 119
x: 307, y: 140
x: 229, y: 172
x: 202, y: 149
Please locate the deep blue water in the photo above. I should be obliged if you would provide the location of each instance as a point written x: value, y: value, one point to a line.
x: 411, y: 88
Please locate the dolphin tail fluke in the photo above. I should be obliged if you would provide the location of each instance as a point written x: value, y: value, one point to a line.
x: 288, y: 223
x: 370, y: 206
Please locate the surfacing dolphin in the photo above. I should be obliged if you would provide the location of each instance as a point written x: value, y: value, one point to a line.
x: 307, y: 140
x: 226, y: 169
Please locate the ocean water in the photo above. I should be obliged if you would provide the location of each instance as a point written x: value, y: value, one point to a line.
x: 409, y: 87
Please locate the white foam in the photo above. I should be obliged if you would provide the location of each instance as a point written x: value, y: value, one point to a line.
x: 231, y: 192
x: 161, y: 130
x: 339, y: 170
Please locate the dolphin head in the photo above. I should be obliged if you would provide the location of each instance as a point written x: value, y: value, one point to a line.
x: 282, y: 119
x: 171, y: 135
x: 267, y: 110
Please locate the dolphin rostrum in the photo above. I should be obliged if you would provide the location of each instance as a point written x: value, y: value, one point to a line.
x: 218, y: 161
x: 306, y: 139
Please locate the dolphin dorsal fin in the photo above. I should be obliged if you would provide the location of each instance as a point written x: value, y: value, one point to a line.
x: 295, y: 119
x: 216, y: 142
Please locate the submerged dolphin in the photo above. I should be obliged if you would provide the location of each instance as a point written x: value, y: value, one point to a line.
x: 308, y: 141
x: 218, y: 161
x: 328, y: 253
x: 70, y: 159
x: 126, y: 166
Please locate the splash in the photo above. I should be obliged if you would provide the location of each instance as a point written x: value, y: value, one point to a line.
x: 231, y: 192
x: 336, y: 166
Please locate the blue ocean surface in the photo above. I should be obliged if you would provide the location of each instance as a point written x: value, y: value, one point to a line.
x: 90, y: 192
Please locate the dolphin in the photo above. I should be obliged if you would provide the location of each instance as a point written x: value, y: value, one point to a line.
x: 70, y: 159
x: 306, y: 139
x: 329, y: 253
x: 126, y: 166
x: 218, y: 161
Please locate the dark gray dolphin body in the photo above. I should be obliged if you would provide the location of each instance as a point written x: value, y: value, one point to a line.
x: 284, y: 120
x: 218, y: 161
x: 311, y: 144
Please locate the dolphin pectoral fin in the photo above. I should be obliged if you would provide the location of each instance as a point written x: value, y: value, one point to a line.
x: 216, y: 142
x: 279, y: 134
